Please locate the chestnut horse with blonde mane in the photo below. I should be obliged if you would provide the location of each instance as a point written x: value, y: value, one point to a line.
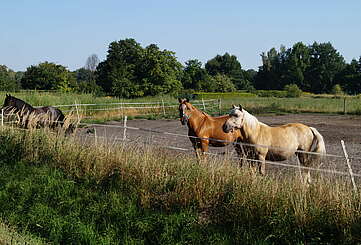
x: 205, y: 130
x: 277, y: 143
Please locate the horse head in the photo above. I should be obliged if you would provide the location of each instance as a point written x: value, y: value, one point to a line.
x: 185, y: 110
x: 235, y: 120
x: 8, y: 102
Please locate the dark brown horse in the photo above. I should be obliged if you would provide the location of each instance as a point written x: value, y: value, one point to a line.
x: 44, y: 116
x: 205, y: 130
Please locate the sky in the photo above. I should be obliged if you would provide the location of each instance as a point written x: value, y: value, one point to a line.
x: 67, y: 32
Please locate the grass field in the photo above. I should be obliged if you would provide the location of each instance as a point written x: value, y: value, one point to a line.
x: 254, y: 104
x: 70, y: 193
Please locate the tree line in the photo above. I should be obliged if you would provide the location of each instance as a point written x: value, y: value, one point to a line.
x: 131, y: 70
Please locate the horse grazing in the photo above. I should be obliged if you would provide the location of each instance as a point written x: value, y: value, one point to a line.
x: 277, y: 143
x: 205, y: 130
x: 44, y: 116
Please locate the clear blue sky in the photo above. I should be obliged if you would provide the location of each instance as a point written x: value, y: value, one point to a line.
x: 66, y: 32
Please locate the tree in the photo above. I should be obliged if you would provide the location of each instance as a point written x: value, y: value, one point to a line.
x: 86, y: 81
x: 223, y: 83
x: 325, y: 64
x: 350, y: 77
x: 269, y: 75
x: 92, y: 62
x: 297, y: 63
x: 48, y: 76
x: 132, y: 71
x: 228, y: 65
x: 119, y: 67
x: 8, y: 79
x: 196, y: 78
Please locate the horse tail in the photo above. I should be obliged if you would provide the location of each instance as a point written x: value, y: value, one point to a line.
x: 317, y: 146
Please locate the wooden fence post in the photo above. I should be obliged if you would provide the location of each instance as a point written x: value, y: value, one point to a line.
x: 349, y: 166
x: 220, y: 106
x: 163, y: 107
x: 2, y: 117
x: 204, y: 106
x: 344, y: 105
x: 125, y: 128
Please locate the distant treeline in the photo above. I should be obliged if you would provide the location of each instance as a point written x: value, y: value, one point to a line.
x: 131, y: 70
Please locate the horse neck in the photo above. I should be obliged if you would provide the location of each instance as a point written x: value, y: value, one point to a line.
x: 22, y: 105
x: 251, y: 125
x: 196, y: 118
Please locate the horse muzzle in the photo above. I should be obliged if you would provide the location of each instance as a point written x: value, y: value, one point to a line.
x: 227, y: 128
x: 184, y: 119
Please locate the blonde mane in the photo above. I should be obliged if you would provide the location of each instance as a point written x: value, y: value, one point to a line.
x: 250, y: 120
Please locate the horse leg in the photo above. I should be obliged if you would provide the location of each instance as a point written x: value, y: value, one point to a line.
x: 262, y: 164
x: 305, y: 173
x: 204, y: 147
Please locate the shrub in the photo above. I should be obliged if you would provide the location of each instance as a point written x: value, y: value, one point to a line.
x: 337, y: 90
x: 293, y: 91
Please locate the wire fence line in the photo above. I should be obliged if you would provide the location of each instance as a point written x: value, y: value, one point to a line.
x: 212, y: 139
x: 158, y: 105
x: 201, y: 138
x: 134, y: 103
x: 275, y: 163
x: 283, y: 164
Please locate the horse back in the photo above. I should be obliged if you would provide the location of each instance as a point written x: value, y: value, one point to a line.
x: 54, y: 113
x: 212, y: 127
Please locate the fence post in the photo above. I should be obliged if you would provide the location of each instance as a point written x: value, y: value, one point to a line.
x: 163, y: 107
x: 220, y: 106
x: 77, y: 111
x: 349, y: 166
x: 204, y: 106
x: 95, y: 136
x: 2, y: 117
x: 344, y: 105
x: 125, y: 128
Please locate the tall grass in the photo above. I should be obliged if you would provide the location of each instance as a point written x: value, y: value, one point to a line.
x: 72, y: 192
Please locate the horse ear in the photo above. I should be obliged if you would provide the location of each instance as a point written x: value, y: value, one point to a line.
x: 187, y: 100
x: 240, y: 107
x: 234, y: 106
x: 179, y: 100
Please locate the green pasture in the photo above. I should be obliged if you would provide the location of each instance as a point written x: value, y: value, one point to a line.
x: 68, y: 193
x: 269, y: 102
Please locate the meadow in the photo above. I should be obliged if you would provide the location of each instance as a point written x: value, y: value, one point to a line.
x: 65, y: 192
x: 255, y: 104
x: 62, y: 190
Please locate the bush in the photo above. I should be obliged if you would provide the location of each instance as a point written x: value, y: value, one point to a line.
x: 337, y: 90
x: 293, y: 91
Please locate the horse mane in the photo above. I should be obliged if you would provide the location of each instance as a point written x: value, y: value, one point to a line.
x: 250, y: 120
x: 23, y: 102
x: 195, y: 108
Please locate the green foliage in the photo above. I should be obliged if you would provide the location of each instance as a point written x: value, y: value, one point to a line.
x: 223, y: 83
x: 8, y: 79
x: 48, y: 76
x: 133, y: 71
x: 293, y: 90
x: 337, y: 90
x: 228, y: 65
x: 314, y: 68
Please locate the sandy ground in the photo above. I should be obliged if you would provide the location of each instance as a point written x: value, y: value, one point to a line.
x: 333, y: 128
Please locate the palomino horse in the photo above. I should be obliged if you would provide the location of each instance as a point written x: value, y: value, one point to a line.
x: 277, y: 143
x: 46, y: 115
x: 205, y: 130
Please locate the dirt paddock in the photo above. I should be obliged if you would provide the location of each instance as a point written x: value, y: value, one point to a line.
x: 333, y: 128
